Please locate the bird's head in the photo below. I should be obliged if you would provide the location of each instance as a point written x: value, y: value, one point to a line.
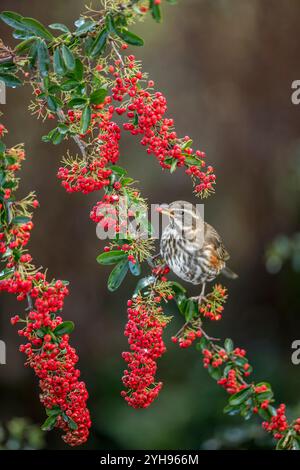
x: 184, y: 216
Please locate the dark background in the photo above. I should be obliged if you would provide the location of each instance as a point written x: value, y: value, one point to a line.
x: 226, y: 67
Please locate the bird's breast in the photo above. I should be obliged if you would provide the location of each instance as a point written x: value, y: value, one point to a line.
x: 186, y: 260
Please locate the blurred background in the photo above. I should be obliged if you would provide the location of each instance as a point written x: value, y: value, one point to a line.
x: 226, y: 67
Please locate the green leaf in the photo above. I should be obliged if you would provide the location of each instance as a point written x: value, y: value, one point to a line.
x: 156, y: 11
x: 24, y: 45
x: 130, y: 38
x: 267, y: 395
x: 181, y: 301
x: 69, y: 85
x: 241, y: 396
x: 2, y: 147
x: 203, y: 344
x: 110, y: 25
x: 33, y: 55
x: 98, y: 96
x: 6, y: 273
x: 55, y: 411
x: 10, y: 184
x: 296, y: 443
x: 36, y: 27
x: 127, y: 181
x: 20, y: 220
x: 240, y: 361
x: 87, y: 45
x: 246, y: 412
x: 72, y: 425
x: 64, y: 328
x: 58, y: 63
x: 10, y: 80
x: 143, y: 283
x: 111, y: 257
x: 49, y: 423
x: 136, y: 119
x: 8, y: 66
x: 193, y: 161
x: 173, y: 166
x: 54, y: 136
x: 43, y: 58
x: 178, y: 288
x: 78, y: 72
x: 77, y: 103
x: 187, y: 144
x: 228, y: 345
x: 52, y: 102
x: 68, y: 58
x: 59, y: 27
x: 87, y: 26
x: 53, y: 88
x: 117, y: 275
x: 191, y: 309
x: 282, y: 444
x: 135, y: 268
x: 63, y: 129
x: 41, y: 332
x: 265, y: 413
x: 231, y: 410
x: 119, y: 170
x: 13, y: 19
x: 99, y: 44
x: 23, y: 35
x: 85, y: 119
x: 215, y: 372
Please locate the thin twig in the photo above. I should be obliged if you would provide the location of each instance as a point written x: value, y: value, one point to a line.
x: 7, y: 58
x: 117, y: 52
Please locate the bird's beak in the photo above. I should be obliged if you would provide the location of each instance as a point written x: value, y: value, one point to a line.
x: 165, y: 211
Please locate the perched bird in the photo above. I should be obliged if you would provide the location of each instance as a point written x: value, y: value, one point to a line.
x: 192, y: 248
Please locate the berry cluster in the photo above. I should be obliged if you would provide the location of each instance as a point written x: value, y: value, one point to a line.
x: 211, y: 307
x: 53, y: 359
x: 92, y: 174
x: 278, y: 423
x: 214, y: 358
x: 188, y: 334
x: 47, y: 346
x: 106, y: 213
x: 231, y: 382
x: 144, y: 331
x: 146, y: 111
x: 297, y: 426
x: 234, y: 362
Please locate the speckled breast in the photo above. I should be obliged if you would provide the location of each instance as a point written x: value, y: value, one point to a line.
x: 186, y: 261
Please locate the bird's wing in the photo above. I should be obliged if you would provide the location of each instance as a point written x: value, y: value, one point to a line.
x: 212, y: 237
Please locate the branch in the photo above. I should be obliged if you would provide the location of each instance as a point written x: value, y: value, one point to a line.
x: 7, y: 58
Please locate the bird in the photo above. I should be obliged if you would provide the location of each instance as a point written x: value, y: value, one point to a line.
x: 192, y: 248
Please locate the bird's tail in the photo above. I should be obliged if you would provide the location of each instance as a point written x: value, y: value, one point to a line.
x: 228, y: 273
